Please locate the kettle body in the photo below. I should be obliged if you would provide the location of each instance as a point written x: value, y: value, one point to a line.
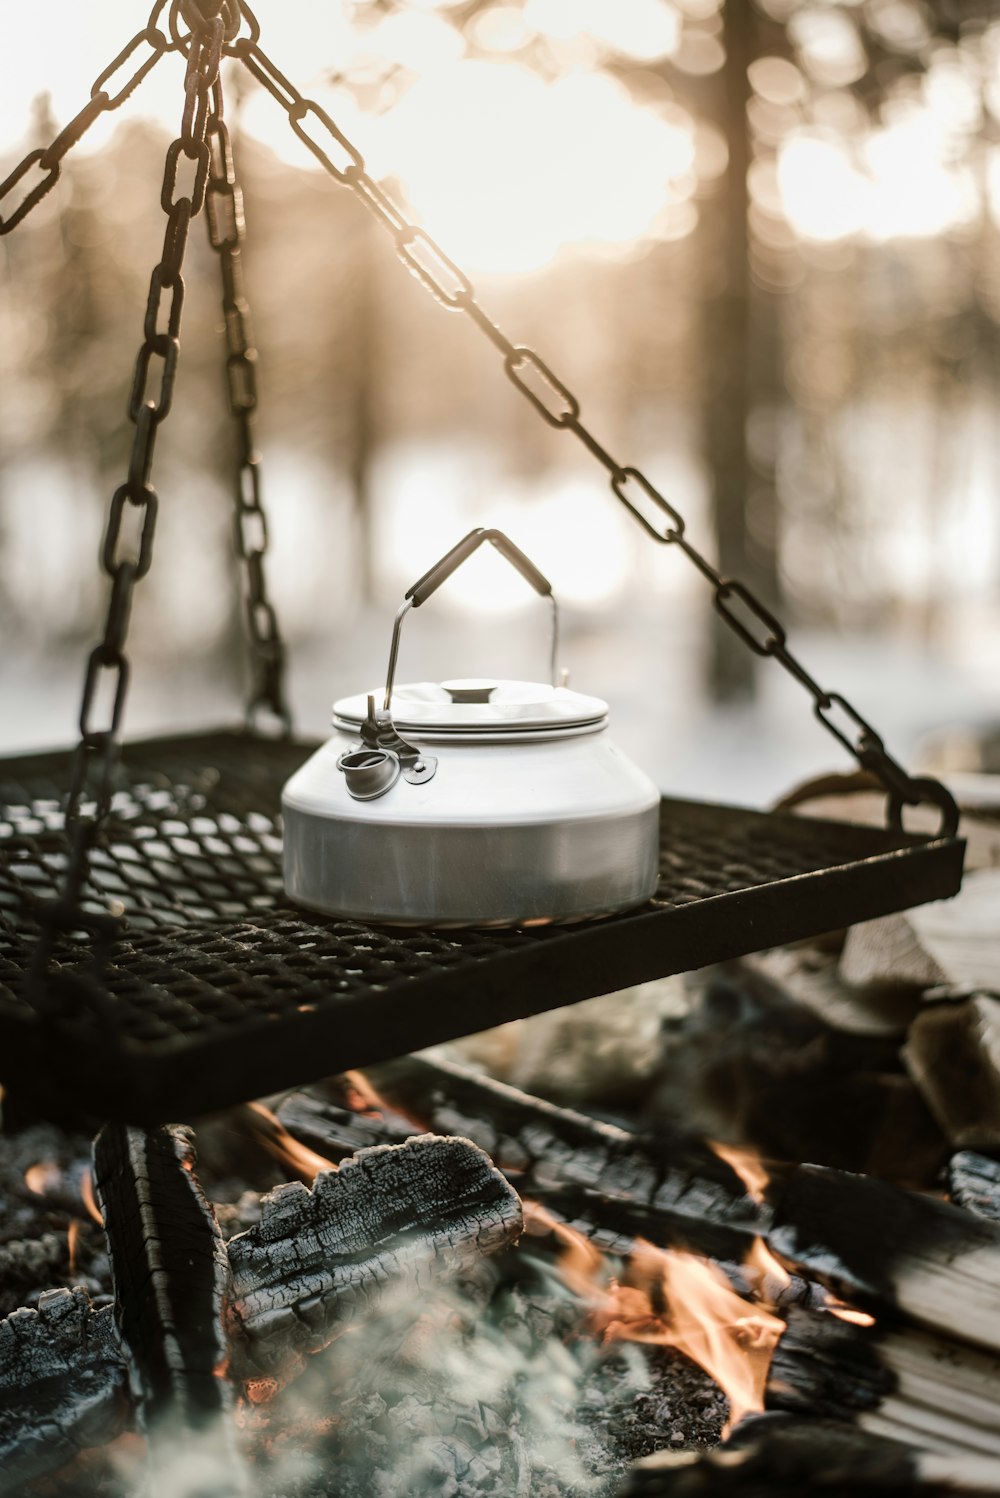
x: 536, y: 824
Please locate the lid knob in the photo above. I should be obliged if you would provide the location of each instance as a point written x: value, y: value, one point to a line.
x: 469, y: 691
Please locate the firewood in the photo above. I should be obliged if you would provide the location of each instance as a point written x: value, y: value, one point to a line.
x: 63, y: 1385
x: 930, y: 1391
x: 820, y: 981
x: 755, y: 1064
x: 953, y: 1054
x: 962, y: 935
x: 335, y: 1131
x: 171, y: 1281
x: 955, y: 943
x: 599, y: 1054
x: 880, y: 1246
x: 974, y: 1183
x: 385, y: 1225
x: 667, y: 1169
x: 774, y: 1455
x: 888, y: 951
x: 700, y: 1205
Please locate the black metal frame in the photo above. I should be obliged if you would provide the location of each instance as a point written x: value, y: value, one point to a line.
x: 220, y: 990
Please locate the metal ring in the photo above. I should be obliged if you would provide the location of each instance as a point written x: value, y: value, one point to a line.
x: 925, y: 792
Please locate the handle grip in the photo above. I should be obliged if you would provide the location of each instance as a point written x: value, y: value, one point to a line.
x: 432, y: 580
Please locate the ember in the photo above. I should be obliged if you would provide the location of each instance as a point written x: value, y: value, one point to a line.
x: 300, y: 1161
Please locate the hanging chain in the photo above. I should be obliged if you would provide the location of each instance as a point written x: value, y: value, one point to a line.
x: 226, y: 232
x: 741, y: 609
x: 127, y: 559
x: 142, y: 54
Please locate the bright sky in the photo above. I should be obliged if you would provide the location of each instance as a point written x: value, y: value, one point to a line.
x: 506, y: 167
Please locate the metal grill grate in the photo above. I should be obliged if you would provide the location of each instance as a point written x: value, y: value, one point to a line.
x: 221, y: 990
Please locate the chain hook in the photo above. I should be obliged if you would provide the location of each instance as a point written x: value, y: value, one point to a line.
x: 198, y: 14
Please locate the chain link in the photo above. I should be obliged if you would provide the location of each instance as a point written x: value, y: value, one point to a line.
x: 556, y: 403
x: 133, y: 504
x: 226, y: 233
x: 105, y: 95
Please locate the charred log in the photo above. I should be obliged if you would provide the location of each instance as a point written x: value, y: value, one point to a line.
x: 974, y: 1183
x: 391, y: 1221
x: 63, y: 1385
x: 774, y: 1455
x: 540, y: 1144
x: 336, y: 1131
x: 171, y: 1279
x: 928, y: 1391
x: 883, y: 1247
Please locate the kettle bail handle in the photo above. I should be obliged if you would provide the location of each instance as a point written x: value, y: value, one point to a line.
x: 436, y: 575
x: 449, y: 563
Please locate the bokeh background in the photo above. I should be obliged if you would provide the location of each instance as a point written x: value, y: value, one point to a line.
x: 758, y: 240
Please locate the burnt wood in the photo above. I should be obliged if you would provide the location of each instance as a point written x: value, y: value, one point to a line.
x: 333, y: 1130
x: 974, y: 1183
x: 773, y: 1455
x: 882, y: 1247
x: 672, y: 1182
x: 927, y: 1390
x: 393, y: 1223
x: 63, y: 1385
x: 171, y: 1281
x: 389, y: 1223
x: 221, y: 991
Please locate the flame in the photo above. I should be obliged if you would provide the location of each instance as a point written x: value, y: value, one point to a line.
x: 89, y: 1199
x: 72, y: 1242
x: 767, y: 1273
x: 848, y: 1313
x: 672, y: 1299
x: 42, y: 1177
x: 747, y: 1165
x: 361, y: 1097
x: 297, y: 1158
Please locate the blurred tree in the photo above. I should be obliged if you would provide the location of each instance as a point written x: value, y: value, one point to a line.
x: 874, y: 52
x: 789, y: 325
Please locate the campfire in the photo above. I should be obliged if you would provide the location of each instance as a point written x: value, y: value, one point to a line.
x: 426, y: 1279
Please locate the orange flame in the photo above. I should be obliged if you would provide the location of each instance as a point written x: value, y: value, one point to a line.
x: 848, y: 1313
x: 767, y: 1275
x: 297, y: 1158
x: 747, y: 1165
x: 361, y: 1097
x: 672, y: 1299
x: 72, y: 1243
x: 89, y: 1199
x: 42, y: 1177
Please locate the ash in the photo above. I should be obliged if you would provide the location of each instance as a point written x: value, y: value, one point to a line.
x: 496, y: 1389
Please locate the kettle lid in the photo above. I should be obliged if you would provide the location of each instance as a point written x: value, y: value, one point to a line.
x: 475, y: 707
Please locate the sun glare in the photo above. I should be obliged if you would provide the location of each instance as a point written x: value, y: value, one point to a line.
x: 899, y: 184
x: 503, y: 164
x: 507, y: 165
